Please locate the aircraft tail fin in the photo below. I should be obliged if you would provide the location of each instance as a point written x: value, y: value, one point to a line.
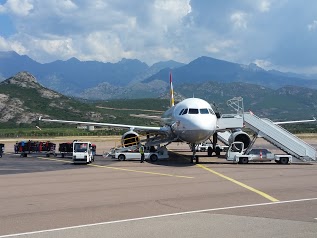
x: 171, y: 92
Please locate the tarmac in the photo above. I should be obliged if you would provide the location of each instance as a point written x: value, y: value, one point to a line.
x: 51, y: 197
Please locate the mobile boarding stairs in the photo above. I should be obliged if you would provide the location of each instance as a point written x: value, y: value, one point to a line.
x: 269, y: 131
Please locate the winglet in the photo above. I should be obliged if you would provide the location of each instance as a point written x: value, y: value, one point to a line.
x: 40, y: 118
x: 171, y: 91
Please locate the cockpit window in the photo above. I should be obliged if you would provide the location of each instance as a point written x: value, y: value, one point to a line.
x: 193, y: 111
x: 181, y: 112
x: 204, y: 111
x: 185, y: 111
x: 211, y: 111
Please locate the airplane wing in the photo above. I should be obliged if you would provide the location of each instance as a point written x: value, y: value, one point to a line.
x: 151, y: 117
x: 130, y: 127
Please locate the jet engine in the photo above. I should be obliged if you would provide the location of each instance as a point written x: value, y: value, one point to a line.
x: 130, y: 138
x: 240, y: 136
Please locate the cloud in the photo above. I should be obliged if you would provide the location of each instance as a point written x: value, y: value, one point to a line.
x: 312, y: 26
x: 2, y: 9
x: 8, y: 45
x: 264, y: 5
x: 101, y: 30
x: 218, y: 46
x: 242, y: 31
x: 239, y: 20
x: 20, y: 8
x: 264, y: 64
x: 4, y: 44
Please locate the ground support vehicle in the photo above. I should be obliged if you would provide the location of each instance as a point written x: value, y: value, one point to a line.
x: 1, y: 149
x: 237, y: 154
x: 202, y: 147
x: 82, y: 152
x: 150, y: 153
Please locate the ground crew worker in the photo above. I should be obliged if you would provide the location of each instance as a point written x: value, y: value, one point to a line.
x: 141, y: 150
x: 1, y: 149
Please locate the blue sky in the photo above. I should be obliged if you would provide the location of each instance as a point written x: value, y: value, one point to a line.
x: 274, y: 34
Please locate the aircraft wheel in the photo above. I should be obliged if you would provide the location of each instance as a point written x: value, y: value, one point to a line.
x: 218, y: 150
x: 192, y: 159
x: 243, y: 160
x: 209, y: 151
x: 153, y: 158
x: 121, y: 157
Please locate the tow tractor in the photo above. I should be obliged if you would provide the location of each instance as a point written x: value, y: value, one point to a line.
x: 82, y: 152
x: 238, y: 154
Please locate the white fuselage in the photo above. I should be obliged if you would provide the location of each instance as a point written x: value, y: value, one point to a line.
x: 191, y: 120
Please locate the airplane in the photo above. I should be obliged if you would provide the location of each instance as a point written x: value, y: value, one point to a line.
x: 192, y: 120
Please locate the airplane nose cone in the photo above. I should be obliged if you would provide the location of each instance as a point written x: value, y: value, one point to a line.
x: 205, y: 123
x: 199, y: 129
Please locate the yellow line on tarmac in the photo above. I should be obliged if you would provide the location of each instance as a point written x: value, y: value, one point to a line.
x: 59, y: 160
x: 140, y: 171
x: 241, y: 184
x: 122, y: 169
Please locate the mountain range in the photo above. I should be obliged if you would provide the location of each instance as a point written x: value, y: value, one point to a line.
x: 131, y: 78
x: 23, y: 100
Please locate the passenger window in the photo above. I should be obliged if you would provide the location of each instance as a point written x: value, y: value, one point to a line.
x: 181, y: 112
x: 193, y: 111
x: 204, y: 111
x: 185, y: 111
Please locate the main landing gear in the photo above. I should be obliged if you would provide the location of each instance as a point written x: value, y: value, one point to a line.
x: 194, y: 156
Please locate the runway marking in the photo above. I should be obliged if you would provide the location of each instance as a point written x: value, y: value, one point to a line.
x: 157, y: 216
x: 140, y: 171
x: 122, y: 169
x: 240, y: 184
x: 59, y: 160
x: 235, y: 181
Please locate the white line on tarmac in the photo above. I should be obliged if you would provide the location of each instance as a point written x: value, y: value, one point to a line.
x: 158, y: 216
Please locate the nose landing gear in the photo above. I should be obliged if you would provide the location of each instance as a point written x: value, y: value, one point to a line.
x: 194, y: 156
